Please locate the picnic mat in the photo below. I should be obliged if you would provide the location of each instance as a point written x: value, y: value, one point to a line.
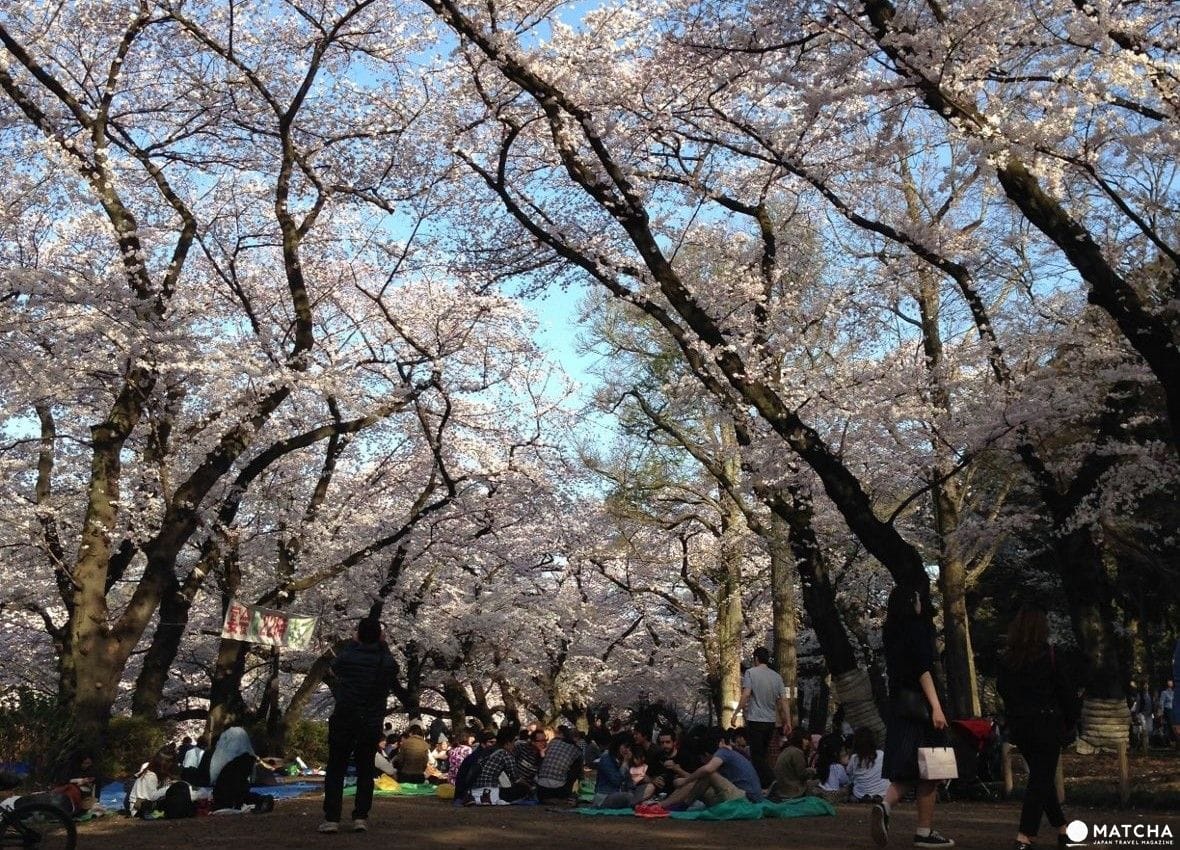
x: 392, y: 788
x: 112, y: 794
x: 801, y: 807
x: 289, y: 789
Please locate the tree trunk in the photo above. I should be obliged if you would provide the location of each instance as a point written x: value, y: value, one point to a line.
x: 149, y: 686
x: 455, y: 696
x: 729, y: 612
x: 784, y: 607
x: 1091, y: 609
x: 226, y: 705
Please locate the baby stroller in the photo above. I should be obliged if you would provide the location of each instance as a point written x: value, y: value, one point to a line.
x: 977, y: 748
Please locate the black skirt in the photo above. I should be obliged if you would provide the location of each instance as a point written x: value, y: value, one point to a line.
x: 902, y: 739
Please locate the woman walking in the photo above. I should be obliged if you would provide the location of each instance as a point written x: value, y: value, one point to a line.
x: 915, y: 717
x: 1040, y: 705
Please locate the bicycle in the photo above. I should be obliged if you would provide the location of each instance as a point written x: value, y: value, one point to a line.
x: 34, y: 826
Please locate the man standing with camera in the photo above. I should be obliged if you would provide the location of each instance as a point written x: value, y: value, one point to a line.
x: 361, y: 677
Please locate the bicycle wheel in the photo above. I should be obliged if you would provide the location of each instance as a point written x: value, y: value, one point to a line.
x: 39, y: 827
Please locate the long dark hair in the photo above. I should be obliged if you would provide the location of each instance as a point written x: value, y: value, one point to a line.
x: 1028, y: 637
x: 617, y: 742
x: 828, y: 753
x: 864, y: 746
x: 160, y: 764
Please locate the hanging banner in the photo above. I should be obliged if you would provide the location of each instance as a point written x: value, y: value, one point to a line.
x: 267, y: 626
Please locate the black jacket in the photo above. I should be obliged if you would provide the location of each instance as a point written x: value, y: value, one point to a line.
x: 361, y: 679
x: 1040, y: 689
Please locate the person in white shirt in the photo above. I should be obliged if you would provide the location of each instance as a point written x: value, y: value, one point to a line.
x: 864, y: 767
x: 763, y: 705
x: 151, y: 783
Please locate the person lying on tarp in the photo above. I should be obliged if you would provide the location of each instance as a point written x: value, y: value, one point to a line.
x: 230, y: 770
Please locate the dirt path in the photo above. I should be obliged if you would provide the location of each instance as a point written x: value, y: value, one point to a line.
x: 426, y: 824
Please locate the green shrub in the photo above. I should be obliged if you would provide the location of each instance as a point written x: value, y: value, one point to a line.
x: 130, y: 742
x: 36, y: 730
x: 308, y: 739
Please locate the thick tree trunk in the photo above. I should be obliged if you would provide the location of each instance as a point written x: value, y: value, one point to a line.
x: 149, y: 686
x: 784, y: 608
x: 1090, y: 598
x: 455, y: 696
x: 226, y: 705
x: 958, y: 657
x: 729, y: 612
x: 819, y: 594
x: 958, y: 660
x: 98, y: 654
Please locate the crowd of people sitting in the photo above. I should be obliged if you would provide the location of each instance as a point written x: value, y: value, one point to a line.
x: 184, y: 780
x: 177, y: 781
x: 630, y: 768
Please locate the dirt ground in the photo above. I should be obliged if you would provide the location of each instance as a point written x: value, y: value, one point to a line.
x: 426, y: 823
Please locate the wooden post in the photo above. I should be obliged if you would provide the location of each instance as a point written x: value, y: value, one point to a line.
x: 1060, y: 782
x: 1124, y: 774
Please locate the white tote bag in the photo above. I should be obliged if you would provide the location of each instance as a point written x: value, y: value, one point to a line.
x: 937, y: 763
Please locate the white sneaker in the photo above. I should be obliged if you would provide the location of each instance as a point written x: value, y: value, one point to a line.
x: 360, y: 825
x: 329, y: 826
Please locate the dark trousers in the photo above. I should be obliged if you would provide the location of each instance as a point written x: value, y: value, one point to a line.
x: 350, y: 738
x: 759, y: 734
x: 1041, y: 751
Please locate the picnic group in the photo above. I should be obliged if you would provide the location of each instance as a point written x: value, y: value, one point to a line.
x: 764, y: 767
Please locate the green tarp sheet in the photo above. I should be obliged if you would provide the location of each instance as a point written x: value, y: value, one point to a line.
x: 802, y: 807
x: 406, y: 789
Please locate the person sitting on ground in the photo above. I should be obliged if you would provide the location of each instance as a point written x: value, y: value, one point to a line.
x: 831, y: 765
x: 864, y: 768
x: 186, y: 744
x: 381, y: 761
x: 528, y: 753
x: 613, y: 788
x: 638, y: 766
x: 727, y: 775
x: 412, y: 756
x: 78, y: 780
x: 791, y: 773
x: 496, y: 767
x: 150, y: 786
x: 659, y: 773
x: 464, y: 743
x: 741, y: 742
x: 190, y: 763
x: 230, y: 770
x: 436, y: 761
x: 561, y: 767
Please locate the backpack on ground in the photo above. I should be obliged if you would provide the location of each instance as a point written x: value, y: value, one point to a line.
x: 178, y: 801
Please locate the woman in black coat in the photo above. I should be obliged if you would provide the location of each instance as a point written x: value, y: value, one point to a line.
x: 1040, y: 705
x: 915, y: 717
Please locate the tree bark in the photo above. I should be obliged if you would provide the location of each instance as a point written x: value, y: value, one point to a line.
x: 157, y: 661
x: 1091, y: 607
x: 784, y: 607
